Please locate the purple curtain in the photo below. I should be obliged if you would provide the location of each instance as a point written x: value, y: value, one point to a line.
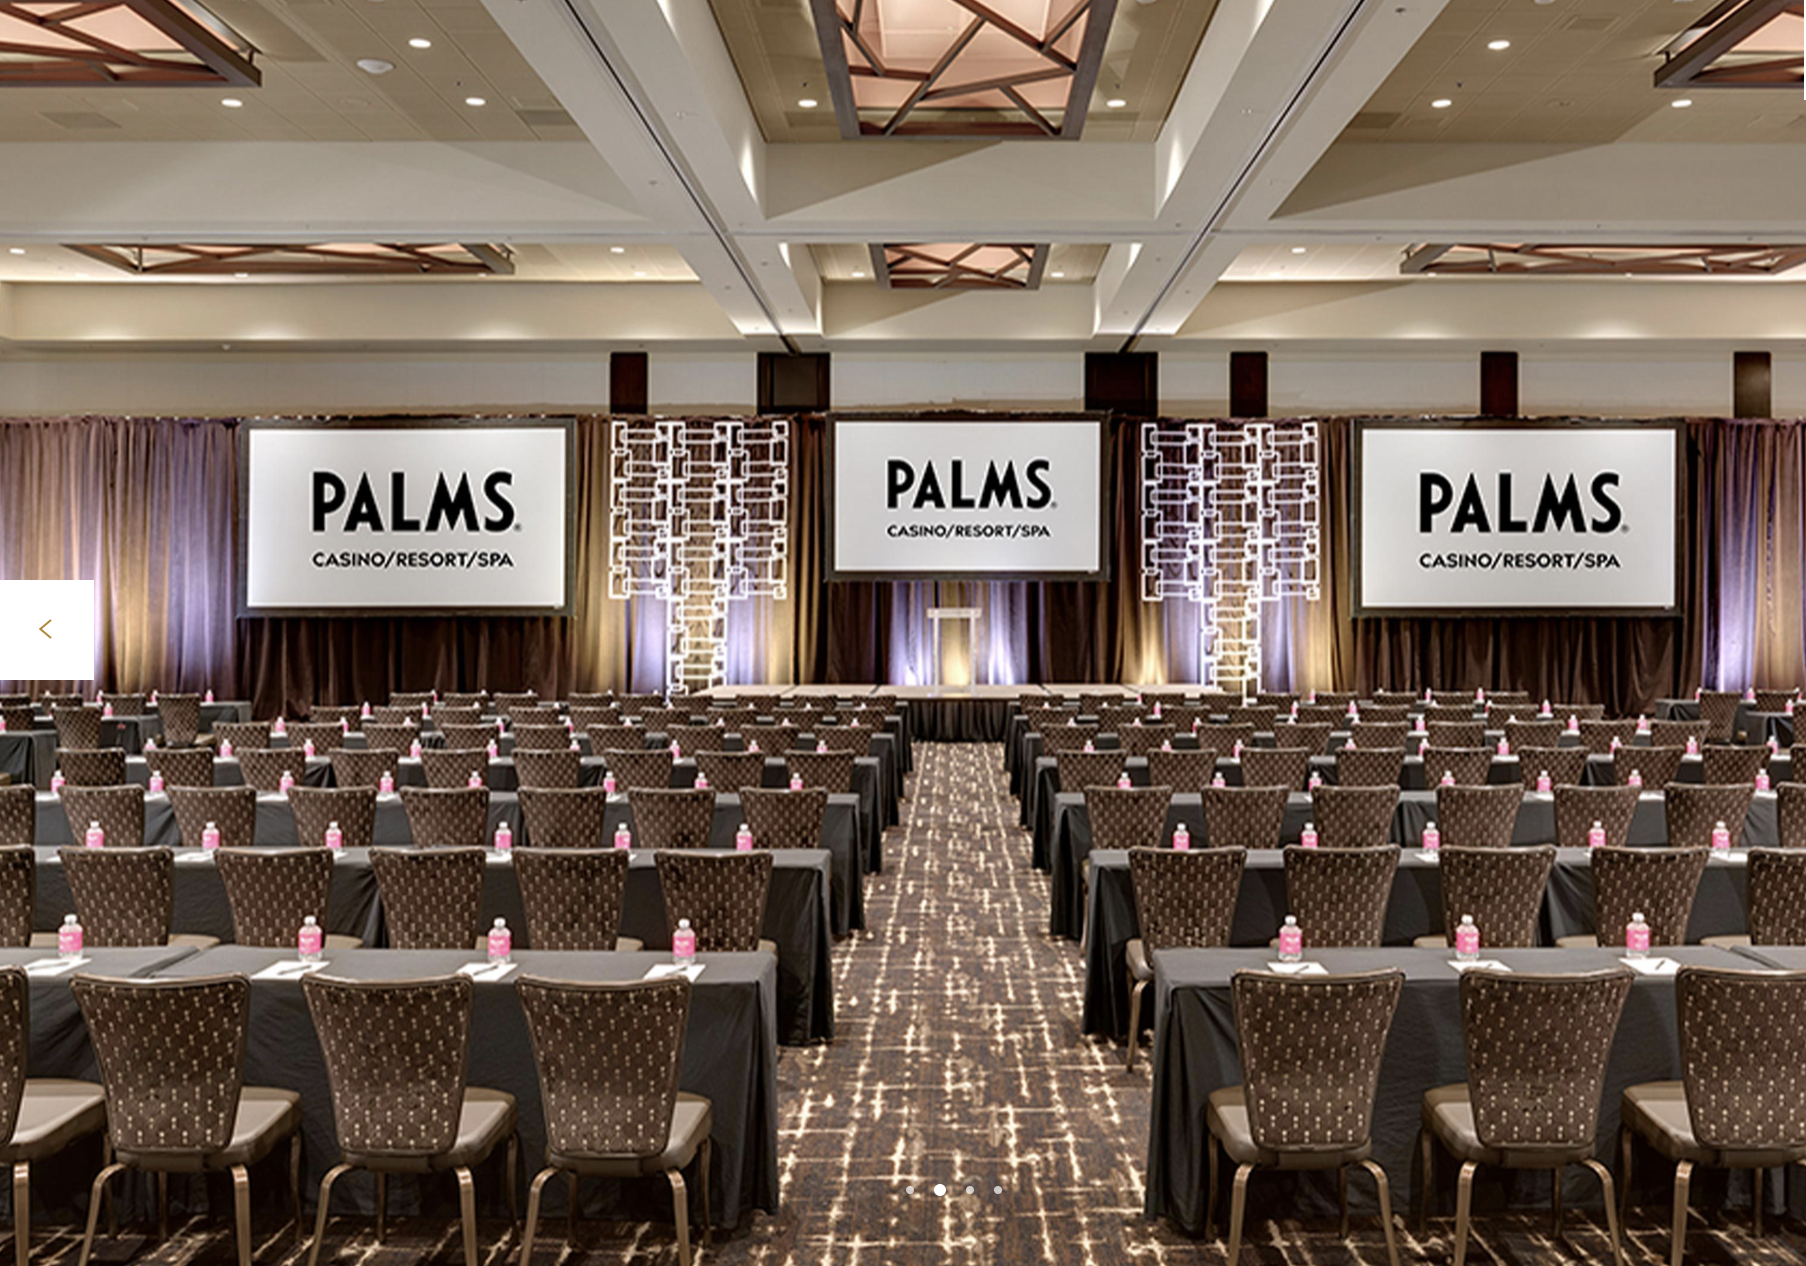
x: 1750, y: 478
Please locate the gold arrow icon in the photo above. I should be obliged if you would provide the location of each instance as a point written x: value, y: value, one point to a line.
x: 44, y: 628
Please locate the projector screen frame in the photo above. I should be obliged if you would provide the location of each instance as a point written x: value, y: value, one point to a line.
x: 1359, y: 609
x: 1106, y: 501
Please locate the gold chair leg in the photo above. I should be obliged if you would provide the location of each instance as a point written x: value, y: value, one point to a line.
x: 1429, y: 1174
x: 1464, y: 1198
x: 680, y: 1212
x: 1342, y: 1200
x: 1210, y: 1193
x: 331, y: 1176
x: 1626, y: 1151
x: 294, y: 1180
x: 101, y: 1180
x: 1677, y: 1243
x: 467, y: 1213
x: 1238, y: 1201
x: 22, y: 1213
x: 513, y: 1171
x: 708, y: 1223
x: 1756, y: 1201
x: 570, y: 1213
x: 241, y: 1213
x: 1385, y: 1189
x: 106, y: 1158
x: 1611, y: 1208
x: 1555, y: 1204
x: 1135, y: 990
x: 382, y: 1206
x: 533, y: 1194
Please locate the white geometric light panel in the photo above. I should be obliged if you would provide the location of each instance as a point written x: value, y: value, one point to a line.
x: 1229, y: 520
x: 699, y: 517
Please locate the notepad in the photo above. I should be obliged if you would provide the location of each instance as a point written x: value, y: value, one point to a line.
x: 486, y: 971
x: 1490, y: 964
x: 499, y: 857
x: 1731, y: 857
x: 1306, y: 968
x: 659, y: 971
x: 53, y: 966
x: 289, y: 969
x: 1652, y: 966
x: 195, y: 857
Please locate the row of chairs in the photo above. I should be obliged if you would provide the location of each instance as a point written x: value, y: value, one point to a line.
x: 1595, y: 737
x: 770, y: 738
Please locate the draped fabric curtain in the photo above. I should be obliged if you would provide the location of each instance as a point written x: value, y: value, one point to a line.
x: 1750, y: 477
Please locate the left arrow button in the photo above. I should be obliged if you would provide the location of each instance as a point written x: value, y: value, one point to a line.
x: 44, y: 628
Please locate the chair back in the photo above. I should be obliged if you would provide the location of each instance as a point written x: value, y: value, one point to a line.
x: 181, y: 717
x: 123, y: 896
x: 1370, y: 767
x: 1566, y: 766
x: 1185, y: 716
x: 119, y: 810
x: 1288, y: 767
x: 1279, y: 700
x: 1067, y: 737
x: 729, y: 771
x: 1478, y: 817
x: 721, y: 894
x: 564, y: 817
x: 1139, y: 740
x: 77, y: 728
x: 412, y: 699
x: 1339, y: 895
x: 1440, y: 711
x: 19, y: 718
x: 1244, y: 817
x: 1721, y: 766
x: 464, y: 698
x: 1079, y: 770
x: 508, y: 702
x: 692, y: 738
x: 1310, y: 1050
x: 401, y: 737
x: 271, y: 890
x: 639, y: 767
x: 396, y: 1056
x: 1183, y: 771
x: 562, y: 768
x: 1579, y: 711
x: 672, y: 817
x: 1694, y: 809
x: 1354, y: 817
x: 784, y: 819
x: 432, y: 898
x: 1127, y: 817
x: 1407, y: 697
x: 1469, y: 765
x: 448, y: 714
x: 1186, y: 900
x: 1657, y: 766
x: 18, y: 815
x: 315, y: 809
x: 1775, y: 700
x: 1790, y: 812
x: 447, y: 817
x: 1536, y: 1051
x: 1718, y: 713
x: 1224, y: 737
x: 1502, y: 888
x: 1577, y: 808
x: 172, y: 1055
x: 772, y: 740
x: 1676, y: 733
x: 1456, y: 733
x: 1318, y: 714
x: 1386, y: 714
x: 831, y: 771
x: 448, y: 768
x: 1115, y: 717
x: 457, y: 735
x: 1777, y: 896
x: 393, y: 714
x: 572, y: 897
x: 1093, y: 703
x: 1658, y: 883
x: 15, y: 1045
x: 1743, y: 1056
x: 263, y: 767
x: 91, y: 766
x: 325, y: 735
x: 1379, y: 734
x: 1337, y: 699
x: 1312, y: 736
x: 243, y: 735
x: 1533, y: 733
x: 181, y: 766
x: 1597, y: 736
x: 365, y: 768
x: 233, y: 810
x: 18, y: 896
x: 1259, y: 718
x: 541, y: 738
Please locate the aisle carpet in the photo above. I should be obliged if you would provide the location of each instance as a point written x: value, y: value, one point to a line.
x: 959, y: 1119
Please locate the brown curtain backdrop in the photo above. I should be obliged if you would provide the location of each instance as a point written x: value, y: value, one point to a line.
x: 1750, y: 481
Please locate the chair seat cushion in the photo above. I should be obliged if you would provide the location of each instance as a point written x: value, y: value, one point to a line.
x: 1657, y: 1110
x: 1136, y: 953
x: 690, y: 1124
x: 53, y: 1113
x: 1227, y: 1117
x: 486, y: 1118
x: 266, y: 1116
x: 1448, y: 1113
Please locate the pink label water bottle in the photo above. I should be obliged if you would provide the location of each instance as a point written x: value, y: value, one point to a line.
x: 1291, y: 941
x: 365, y: 712
x: 1353, y: 711
x: 702, y: 781
x: 1543, y: 783
x: 1692, y: 745
x: 1090, y: 746
x: 1762, y: 783
x: 414, y: 749
x: 1721, y: 838
x: 576, y: 746
x: 1448, y: 778
x: 753, y: 746
x: 156, y: 781
x: 1467, y: 940
x: 1309, y: 836
x: 821, y: 745
x: 623, y: 836
x: 1616, y: 742
x: 796, y: 782
x: 1432, y: 838
x: 1596, y: 835
x: 1547, y: 710
x: 501, y: 942
x: 286, y: 783
x: 1635, y: 779
x: 1182, y: 838
x: 2, y: 725
x: 344, y: 725
x: 307, y: 749
x: 56, y: 783
x: 311, y: 942
x: 504, y: 837
x: 501, y: 725
x: 1573, y: 724
x: 225, y: 749
x: 386, y: 784
x: 153, y: 698
x: 676, y: 751
x: 608, y: 783
x: 69, y: 938
x: 209, y: 698
x: 1642, y: 723
x: 96, y: 838
x: 1237, y: 750
x: 279, y: 728
x: 1504, y: 746
x: 335, y: 838
x: 1122, y: 780
x: 1217, y: 780
x: 1479, y: 694
x: 1349, y: 746
x: 743, y: 840
x: 683, y: 944
x: 475, y: 779
x: 1316, y: 780
x: 493, y: 749
x: 426, y: 712
x: 1749, y: 694
x: 106, y: 710
x: 1636, y: 937
x: 209, y: 837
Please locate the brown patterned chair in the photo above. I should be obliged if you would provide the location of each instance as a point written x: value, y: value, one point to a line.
x: 432, y: 897
x: 548, y: 769
x: 1337, y: 699
x: 1353, y: 817
x: 1132, y: 817
x: 18, y: 897
x: 1139, y: 740
x: 784, y: 819
x: 125, y: 896
x: 1224, y: 737
x: 1693, y: 810
x: 1790, y: 812
x: 1596, y: 736
x: 1183, y: 900
x: 772, y: 740
x: 1580, y: 712
x: 1676, y: 733
x: 1478, y: 817
x: 1079, y: 770
x: 1739, y: 1102
x: 1777, y: 899
x: 126, y: 704
x: 540, y: 714
x: 447, y: 817
x: 505, y: 702
x: 1312, y: 736
x: 564, y: 817
x: 181, y: 718
x: 1509, y: 696
x: 1370, y: 767
x: 18, y: 815
x: 91, y: 766
x: 464, y: 699
x: 1092, y: 703
x: 181, y: 766
x: 1456, y: 733
x: 1577, y: 808
x: 1775, y: 700
x: 1244, y: 817
x: 572, y: 897
x: 1439, y: 711
x: 451, y: 767
x: 18, y: 718
x: 411, y: 699
x: 1500, y: 888
x: 1408, y: 698
x: 642, y: 767
x: 1386, y: 714
x: 1501, y: 715
x: 691, y: 739
x: 613, y: 1109
x: 671, y: 817
x: 1657, y: 765
x: 317, y: 808
x: 119, y: 810
x: 1258, y: 719
x: 233, y: 810
x: 1282, y: 700
x: 242, y: 735
x: 263, y: 767
x: 541, y: 738
x: 365, y: 768
x: 453, y: 735
x: 1319, y: 714
x: 172, y: 1055
x: 832, y: 771
x: 636, y: 705
x: 1288, y: 767
x: 1564, y: 765
x: 271, y: 890
x: 1377, y: 735
x: 1658, y: 883
x: 1722, y: 766
x: 1536, y: 1052
x: 729, y: 771
x: 1469, y: 765
x: 1183, y: 771
x: 612, y: 737
x: 445, y: 714
x: 339, y: 714
x: 77, y: 728
x: 402, y: 737
x: 1116, y: 717
x: 50, y: 701
x: 392, y: 714
x: 1067, y: 738
x: 1339, y: 895
x: 1718, y: 713
x: 722, y: 895
x: 1310, y: 1051
x: 1533, y: 734
x: 1186, y: 716
x: 397, y: 1053
x: 326, y: 736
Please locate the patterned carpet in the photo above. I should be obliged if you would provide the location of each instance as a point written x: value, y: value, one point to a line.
x: 959, y: 1119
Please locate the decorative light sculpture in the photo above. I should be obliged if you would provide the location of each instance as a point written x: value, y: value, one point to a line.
x: 699, y: 517
x: 1229, y: 520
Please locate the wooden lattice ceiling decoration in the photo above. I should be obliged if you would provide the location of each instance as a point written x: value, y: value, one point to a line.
x: 959, y: 265
x: 338, y: 259
x: 1501, y: 258
x: 962, y: 67
x: 1738, y: 44
x: 120, y: 43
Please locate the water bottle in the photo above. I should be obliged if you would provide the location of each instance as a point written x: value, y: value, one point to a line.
x: 156, y: 781
x: 1721, y: 838
x: 1217, y: 780
x: 386, y: 784
x: 69, y: 938
x: 225, y: 749
x: 504, y: 838
x: 1543, y: 782
x: 426, y: 712
x: 150, y: 745
x: 1479, y: 694
x: 743, y: 840
x: 344, y: 725
x: 279, y: 728
x: 1504, y: 746
x: 1291, y: 941
x: 608, y: 782
x: 1166, y: 745
x: 623, y: 836
x: 1353, y: 712
x: 1636, y: 937
x: 1122, y: 780
x: 96, y: 838
x: 1309, y: 837
x: 106, y: 710
x: 1749, y: 694
x: 365, y: 713
x: 209, y: 837
x: 1617, y: 743
x: 1762, y: 783
x: 1432, y: 838
x: 1349, y: 746
x: 576, y: 746
x: 1182, y: 838
x: 307, y: 749
x: 1316, y: 780
x: 1090, y: 746
x: 1635, y: 779
x: 2, y: 725
x: 1573, y: 724
x: 335, y: 838
x: 702, y: 781
x: 286, y: 783
x: 1448, y: 778
x: 676, y: 751
x: 311, y: 941
x: 1547, y: 710
x: 1467, y: 940
x: 683, y: 944
x: 796, y: 782
x: 475, y: 779
x: 414, y: 750
x: 501, y: 942
x: 753, y: 746
x: 1642, y: 723
x: 1692, y: 745
x: 209, y: 698
x: 1596, y: 835
x: 493, y: 749
x: 1237, y: 750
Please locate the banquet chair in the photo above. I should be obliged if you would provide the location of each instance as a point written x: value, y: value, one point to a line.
x: 541, y: 738
x: 271, y: 890
x: 590, y: 699
x: 1693, y: 810
x: 1536, y: 1051
x: 397, y: 1054
x: 564, y: 817
x: 1478, y: 817
x: 172, y: 1057
x: 1469, y: 765
x: 1578, y: 711
x: 447, y: 817
x: 1337, y: 699
x: 784, y: 819
x: 671, y: 817
x: 243, y: 735
x: 1577, y: 808
x: 1353, y: 817
x: 51, y: 701
x: 613, y: 1109
x: 452, y: 734
x: 1319, y: 714
x: 1279, y: 700
x: 392, y: 714
x: 572, y: 897
x: 1313, y: 736
x: 635, y: 705
x: 1718, y: 713
x: 126, y: 896
x: 1183, y: 771
x: 1777, y: 899
x: 1244, y: 817
x: 1370, y: 766
x: 1658, y: 883
x: 1225, y: 736
x: 832, y: 771
x: 1310, y: 1049
x: 1254, y: 715
x: 263, y: 767
x: 413, y: 700
x: 729, y: 771
x: 1657, y: 765
x: 181, y: 719
x: 539, y: 714
x: 1182, y: 901
x: 1533, y: 734
x: 1407, y: 698
x: 1114, y: 717
x: 1079, y: 770
x: 315, y: 809
x: 1287, y: 767
x: 445, y: 714
x: 464, y: 698
x: 18, y: 890
x: 772, y: 740
x: 432, y: 897
x: 607, y: 735
x: 325, y: 736
x: 1339, y: 895
x: 365, y: 768
x: 723, y: 895
x: 1139, y: 740
x: 232, y: 810
x: 129, y: 704
x: 1564, y: 765
x: 1459, y: 711
x: 1127, y: 817
x: 548, y: 769
x: 18, y: 815
x: 403, y: 737
x: 77, y: 727
x: 339, y: 714
x: 181, y: 766
x: 1500, y: 888
x: 1500, y: 715
x: 1790, y: 813
x: 1776, y: 700
x: 1068, y: 738
x: 1379, y: 735
x: 1092, y: 703
x: 661, y: 717
x: 450, y: 767
x: 119, y: 810
x: 91, y: 766
x: 506, y: 701
x: 1452, y: 698
x: 1386, y: 714
x: 18, y: 718
x: 1725, y: 765
x: 639, y: 767
x: 1597, y: 736
x: 1509, y: 696
x: 1676, y: 733
x: 1741, y: 1100
x: 1456, y: 733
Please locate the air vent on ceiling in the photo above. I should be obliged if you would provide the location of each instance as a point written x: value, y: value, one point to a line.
x: 80, y: 120
x: 1590, y: 24
x: 1374, y: 120
x: 545, y: 118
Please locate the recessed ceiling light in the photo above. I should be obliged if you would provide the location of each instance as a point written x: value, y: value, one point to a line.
x: 417, y: 42
x: 374, y: 65
x: 1498, y: 46
x: 1682, y: 104
x: 1276, y: 273
x: 808, y: 103
x: 82, y: 276
x: 1298, y: 250
x: 639, y: 272
x: 617, y: 250
x: 241, y: 274
x: 1441, y: 103
x: 476, y: 101
x: 858, y: 272
x: 1056, y: 274
x: 18, y: 250
x: 1116, y: 103
x: 231, y: 103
